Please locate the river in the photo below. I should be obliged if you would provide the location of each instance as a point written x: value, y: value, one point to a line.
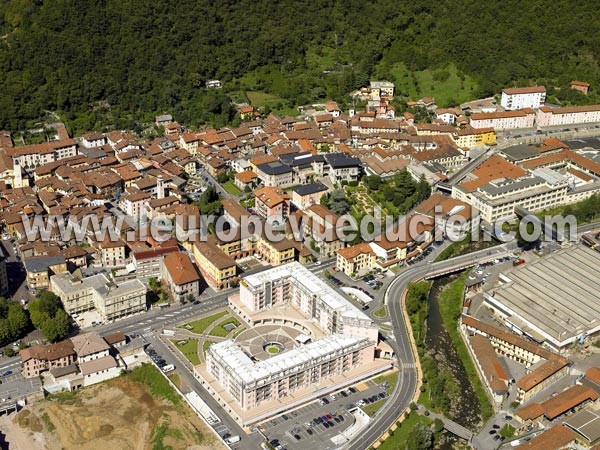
x: 465, y: 410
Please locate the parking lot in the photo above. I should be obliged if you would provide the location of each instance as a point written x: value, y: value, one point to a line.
x: 314, y: 425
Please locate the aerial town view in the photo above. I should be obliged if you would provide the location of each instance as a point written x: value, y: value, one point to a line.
x: 299, y: 225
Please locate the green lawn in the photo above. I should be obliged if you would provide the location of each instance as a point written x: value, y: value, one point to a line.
x: 404, y: 437
x: 149, y: 375
x: 220, y: 331
x: 391, y: 378
x: 231, y: 188
x: 206, y: 345
x: 199, y: 326
x: 446, y: 92
x: 381, y: 312
x: 189, y: 350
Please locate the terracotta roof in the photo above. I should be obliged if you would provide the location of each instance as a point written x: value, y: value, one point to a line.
x: 531, y: 411
x: 349, y: 253
x: 541, y: 374
x: 593, y: 374
x: 570, y: 109
x: 554, y: 439
x: 490, y: 364
x: 180, y: 268
x: 524, y: 90
x: 48, y: 352
x: 580, y: 83
x: 271, y: 196
x: 503, y: 114
x: 246, y: 176
x: 112, y: 339
x: 491, y: 169
x: 508, y: 337
x: 567, y: 399
x: 215, y: 255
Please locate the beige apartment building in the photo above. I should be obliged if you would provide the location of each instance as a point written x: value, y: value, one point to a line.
x: 111, y: 300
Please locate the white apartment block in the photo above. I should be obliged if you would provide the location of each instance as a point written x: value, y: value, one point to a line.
x: 294, y: 284
x: 111, y: 300
x: 251, y: 383
x: 504, y: 120
x: 336, y: 347
x: 570, y: 115
x: 525, y: 97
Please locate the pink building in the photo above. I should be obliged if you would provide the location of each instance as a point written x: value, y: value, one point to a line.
x: 504, y: 120
x: 570, y: 115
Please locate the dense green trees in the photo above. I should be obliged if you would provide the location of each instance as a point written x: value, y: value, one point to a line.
x: 112, y: 62
x: 14, y: 322
x: 48, y: 315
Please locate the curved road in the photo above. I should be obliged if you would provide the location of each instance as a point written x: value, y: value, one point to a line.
x: 405, y: 389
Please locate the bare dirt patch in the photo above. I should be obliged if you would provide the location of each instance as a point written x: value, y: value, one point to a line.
x: 118, y: 414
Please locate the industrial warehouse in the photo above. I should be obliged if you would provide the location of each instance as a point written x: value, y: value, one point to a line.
x: 553, y: 300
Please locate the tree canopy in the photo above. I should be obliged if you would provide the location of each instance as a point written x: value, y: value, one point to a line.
x: 111, y: 63
x: 14, y: 321
x: 47, y: 314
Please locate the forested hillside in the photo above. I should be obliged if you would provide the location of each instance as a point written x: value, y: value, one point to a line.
x: 124, y: 60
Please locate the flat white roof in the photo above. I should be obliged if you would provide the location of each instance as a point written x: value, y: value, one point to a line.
x: 312, y: 283
x: 248, y: 371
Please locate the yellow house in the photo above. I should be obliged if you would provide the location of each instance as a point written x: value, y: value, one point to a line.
x: 276, y: 253
x: 475, y: 137
x: 217, y: 268
x: 356, y: 260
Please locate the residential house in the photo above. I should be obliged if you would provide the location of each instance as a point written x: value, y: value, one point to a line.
x: 180, y: 276
x: 39, y: 269
x: 39, y: 358
x: 272, y: 202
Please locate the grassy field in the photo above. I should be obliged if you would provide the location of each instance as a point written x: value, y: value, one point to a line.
x: 220, y: 331
x: 199, y: 326
x: 206, y: 345
x: 149, y: 376
x: 189, y: 350
x: 404, y: 436
x: 381, y: 312
x: 231, y: 188
x: 451, y: 300
x: 448, y: 89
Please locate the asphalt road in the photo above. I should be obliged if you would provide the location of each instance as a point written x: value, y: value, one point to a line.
x: 404, y: 391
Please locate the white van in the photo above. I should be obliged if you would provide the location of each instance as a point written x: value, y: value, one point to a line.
x: 232, y: 440
x: 168, y: 368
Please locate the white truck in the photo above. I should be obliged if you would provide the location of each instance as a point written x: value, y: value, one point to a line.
x: 168, y: 368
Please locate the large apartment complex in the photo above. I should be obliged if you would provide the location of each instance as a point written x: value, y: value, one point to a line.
x: 334, y: 345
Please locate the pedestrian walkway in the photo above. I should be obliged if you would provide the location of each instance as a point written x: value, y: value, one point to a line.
x: 449, y: 425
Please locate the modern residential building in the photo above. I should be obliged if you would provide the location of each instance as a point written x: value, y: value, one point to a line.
x: 272, y: 202
x: 336, y: 346
x: 524, y: 97
x: 307, y: 195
